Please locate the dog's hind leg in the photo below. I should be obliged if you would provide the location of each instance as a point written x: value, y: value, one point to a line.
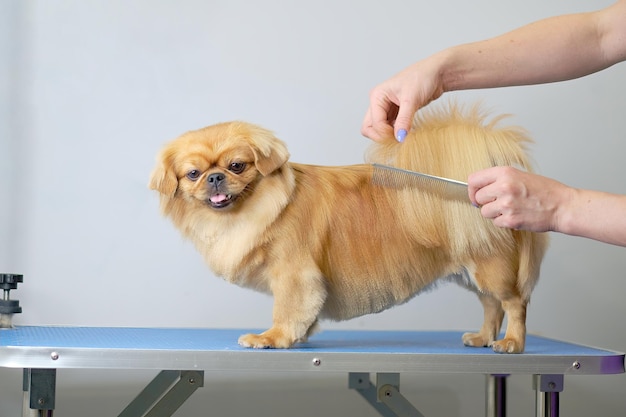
x: 496, y: 280
x: 493, y: 316
x: 515, y: 336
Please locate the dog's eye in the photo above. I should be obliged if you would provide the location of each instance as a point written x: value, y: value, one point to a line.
x: 237, y: 167
x: 193, y: 175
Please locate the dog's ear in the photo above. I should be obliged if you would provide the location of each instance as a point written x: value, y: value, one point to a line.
x: 270, y: 153
x: 163, y: 178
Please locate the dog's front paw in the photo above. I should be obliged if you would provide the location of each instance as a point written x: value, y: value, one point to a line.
x: 508, y: 345
x: 266, y: 340
x: 476, y: 340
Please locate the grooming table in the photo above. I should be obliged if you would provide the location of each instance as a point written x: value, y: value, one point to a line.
x: 183, y: 355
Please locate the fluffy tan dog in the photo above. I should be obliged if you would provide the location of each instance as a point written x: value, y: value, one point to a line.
x: 328, y: 243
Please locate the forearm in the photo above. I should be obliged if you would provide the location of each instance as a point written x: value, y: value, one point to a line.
x: 553, y: 49
x: 593, y: 214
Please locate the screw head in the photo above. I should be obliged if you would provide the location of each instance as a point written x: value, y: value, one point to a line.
x: 317, y: 361
x: 54, y: 356
x: 576, y: 365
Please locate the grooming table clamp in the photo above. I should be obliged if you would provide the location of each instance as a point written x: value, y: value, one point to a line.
x: 9, y: 307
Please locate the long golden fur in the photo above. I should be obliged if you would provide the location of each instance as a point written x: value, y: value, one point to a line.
x: 327, y: 243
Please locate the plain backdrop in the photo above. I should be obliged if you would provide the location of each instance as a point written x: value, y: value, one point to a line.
x: 89, y: 92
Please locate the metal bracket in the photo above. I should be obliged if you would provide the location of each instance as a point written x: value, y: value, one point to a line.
x: 385, y: 396
x: 547, y: 388
x: 164, y: 394
x: 39, y: 386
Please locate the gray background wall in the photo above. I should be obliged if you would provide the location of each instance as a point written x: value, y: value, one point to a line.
x: 89, y: 91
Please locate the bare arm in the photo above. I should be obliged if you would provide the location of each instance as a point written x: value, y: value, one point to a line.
x: 553, y: 49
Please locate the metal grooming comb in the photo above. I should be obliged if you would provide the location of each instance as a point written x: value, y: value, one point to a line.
x: 388, y: 176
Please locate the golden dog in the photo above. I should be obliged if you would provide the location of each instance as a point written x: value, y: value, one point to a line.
x: 326, y: 242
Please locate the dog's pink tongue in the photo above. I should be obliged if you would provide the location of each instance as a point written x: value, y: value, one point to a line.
x: 218, y: 198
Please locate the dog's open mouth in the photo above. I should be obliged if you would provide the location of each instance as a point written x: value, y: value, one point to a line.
x: 221, y: 200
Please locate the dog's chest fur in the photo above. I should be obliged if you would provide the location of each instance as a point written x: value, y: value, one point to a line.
x: 232, y: 243
x: 226, y: 250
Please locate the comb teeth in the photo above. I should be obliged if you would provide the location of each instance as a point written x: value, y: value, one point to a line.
x: 392, y: 177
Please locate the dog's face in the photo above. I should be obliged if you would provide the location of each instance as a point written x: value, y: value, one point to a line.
x: 218, y: 166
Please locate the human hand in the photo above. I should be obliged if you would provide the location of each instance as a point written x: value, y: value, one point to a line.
x: 394, y: 102
x: 516, y: 199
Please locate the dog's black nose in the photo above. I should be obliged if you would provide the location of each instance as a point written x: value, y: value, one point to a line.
x: 216, y: 179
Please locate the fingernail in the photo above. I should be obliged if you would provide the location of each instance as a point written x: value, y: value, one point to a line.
x: 401, y: 135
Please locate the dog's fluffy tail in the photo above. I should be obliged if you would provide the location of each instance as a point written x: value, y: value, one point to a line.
x: 453, y: 141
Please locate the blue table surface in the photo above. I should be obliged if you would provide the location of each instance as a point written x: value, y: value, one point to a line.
x: 331, y: 341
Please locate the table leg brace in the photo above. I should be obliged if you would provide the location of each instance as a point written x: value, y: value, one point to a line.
x: 164, y: 394
x: 385, y: 396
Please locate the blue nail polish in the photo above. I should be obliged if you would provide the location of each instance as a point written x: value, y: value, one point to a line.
x: 401, y: 135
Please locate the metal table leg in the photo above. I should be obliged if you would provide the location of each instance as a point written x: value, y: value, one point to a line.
x: 39, y: 392
x: 547, y: 388
x: 495, y: 396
